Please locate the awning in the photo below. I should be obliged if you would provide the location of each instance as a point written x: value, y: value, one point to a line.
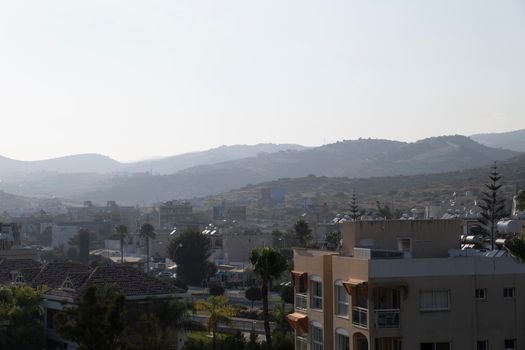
x: 353, y: 282
x: 299, y: 280
x: 298, y: 319
x: 298, y: 273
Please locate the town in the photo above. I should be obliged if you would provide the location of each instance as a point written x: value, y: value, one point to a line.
x: 271, y: 275
x: 262, y: 175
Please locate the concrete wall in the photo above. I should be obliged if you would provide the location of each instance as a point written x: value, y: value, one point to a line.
x: 430, y: 238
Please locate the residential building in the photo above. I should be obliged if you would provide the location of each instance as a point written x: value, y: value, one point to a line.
x: 176, y: 214
x: 65, y: 281
x: 407, y: 284
x: 9, y: 236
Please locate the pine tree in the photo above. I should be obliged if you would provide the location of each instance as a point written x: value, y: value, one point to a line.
x: 492, y: 205
x: 355, y: 213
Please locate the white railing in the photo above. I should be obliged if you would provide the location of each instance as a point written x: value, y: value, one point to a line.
x: 386, y: 318
x: 301, y: 301
x: 360, y: 316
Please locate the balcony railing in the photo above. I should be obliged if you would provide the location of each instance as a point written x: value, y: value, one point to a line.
x: 301, y: 301
x: 360, y: 316
x: 386, y: 318
x: 301, y: 343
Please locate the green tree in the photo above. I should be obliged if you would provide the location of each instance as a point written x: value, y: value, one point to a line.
x: 253, y: 294
x: 333, y: 240
x: 384, y: 211
x: 516, y: 248
x: 303, y: 233
x: 158, y: 326
x: 190, y: 251
x: 96, y: 320
x: 147, y: 232
x: 492, y: 205
x: 21, y: 318
x: 122, y: 232
x: 82, y: 240
x: 216, y: 289
x: 287, y: 294
x: 218, y: 311
x: 267, y: 264
x: 355, y: 213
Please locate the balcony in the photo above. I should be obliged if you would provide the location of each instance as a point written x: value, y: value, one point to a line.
x: 386, y: 318
x: 360, y: 316
x: 301, y: 301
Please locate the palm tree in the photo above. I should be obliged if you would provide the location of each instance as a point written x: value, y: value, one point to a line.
x: 218, y: 312
x: 267, y: 264
x: 122, y: 232
x: 147, y: 232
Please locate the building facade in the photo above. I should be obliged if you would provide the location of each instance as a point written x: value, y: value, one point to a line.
x: 407, y: 285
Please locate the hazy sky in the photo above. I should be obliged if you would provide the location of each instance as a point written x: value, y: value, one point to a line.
x: 134, y: 79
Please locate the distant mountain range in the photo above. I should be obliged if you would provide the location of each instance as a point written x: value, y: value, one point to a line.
x: 359, y: 158
x: 100, y: 164
x: 399, y: 191
x: 513, y: 140
x: 98, y: 178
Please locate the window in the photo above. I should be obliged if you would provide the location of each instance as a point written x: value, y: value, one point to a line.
x: 317, y: 295
x: 404, y: 244
x: 435, y: 346
x: 317, y: 337
x: 508, y: 293
x: 434, y: 300
x: 341, y: 300
x: 510, y: 344
x: 482, y: 345
x: 342, y: 342
x: 481, y: 294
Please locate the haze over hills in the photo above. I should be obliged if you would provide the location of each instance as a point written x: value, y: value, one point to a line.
x: 359, y: 158
x: 170, y: 165
x: 99, y: 178
x: 401, y: 190
x: 11, y: 168
x: 100, y: 164
x: 513, y: 140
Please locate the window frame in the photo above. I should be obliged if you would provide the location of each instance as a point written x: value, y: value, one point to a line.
x: 343, y: 333
x: 399, y: 244
x: 513, y: 344
x: 481, y: 294
x: 316, y: 300
x: 481, y: 342
x: 339, y: 288
x: 435, y: 309
x: 509, y: 289
x: 316, y: 343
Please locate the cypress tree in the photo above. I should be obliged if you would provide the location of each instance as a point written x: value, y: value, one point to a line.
x: 355, y: 213
x: 492, y: 205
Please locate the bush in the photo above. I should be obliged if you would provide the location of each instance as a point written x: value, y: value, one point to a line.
x: 216, y: 289
x: 178, y: 283
x: 287, y: 294
x: 253, y: 294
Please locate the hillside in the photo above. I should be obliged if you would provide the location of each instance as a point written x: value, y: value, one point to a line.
x: 170, y: 165
x: 513, y: 140
x: 13, y: 169
x: 360, y: 158
x: 402, y: 191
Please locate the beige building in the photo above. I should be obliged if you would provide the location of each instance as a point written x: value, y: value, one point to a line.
x: 407, y: 285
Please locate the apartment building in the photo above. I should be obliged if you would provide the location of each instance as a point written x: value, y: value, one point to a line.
x: 407, y: 285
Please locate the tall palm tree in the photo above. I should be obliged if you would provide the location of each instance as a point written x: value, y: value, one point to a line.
x: 267, y: 264
x: 147, y: 232
x: 218, y: 312
x: 122, y: 232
